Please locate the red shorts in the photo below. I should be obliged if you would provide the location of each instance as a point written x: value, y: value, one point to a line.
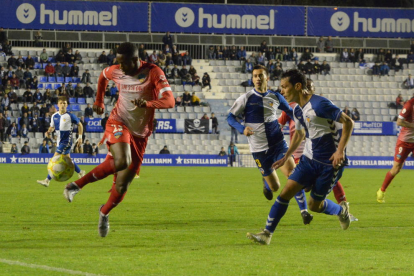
x: 296, y: 160
x: 402, y: 150
x: 117, y: 132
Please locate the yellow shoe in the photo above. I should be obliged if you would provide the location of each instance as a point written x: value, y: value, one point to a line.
x: 380, y: 196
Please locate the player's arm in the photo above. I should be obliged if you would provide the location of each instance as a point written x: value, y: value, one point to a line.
x: 404, y: 115
x: 49, y: 131
x: 80, y: 132
x: 284, y: 106
x: 404, y: 123
x: 103, y: 80
x: 283, y: 119
x: 347, y: 126
x: 237, y: 109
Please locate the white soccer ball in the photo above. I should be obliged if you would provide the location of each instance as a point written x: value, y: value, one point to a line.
x: 60, y: 168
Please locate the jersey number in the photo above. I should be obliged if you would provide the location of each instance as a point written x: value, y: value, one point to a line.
x: 117, y: 128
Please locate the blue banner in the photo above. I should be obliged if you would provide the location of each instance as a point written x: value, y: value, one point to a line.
x: 74, y: 15
x: 359, y: 22
x: 375, y: 128
x: 149, y: 159
x: 227, y: 19
x: 166, y: 126
x: 93, y: 125
x: 376, y: 162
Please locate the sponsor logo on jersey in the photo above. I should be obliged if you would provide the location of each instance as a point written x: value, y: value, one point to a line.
x: 398, y: 156
x: 118, y: 134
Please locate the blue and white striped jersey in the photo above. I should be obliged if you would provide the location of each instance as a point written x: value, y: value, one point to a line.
x: 63, y: 127
x: 319, y: 117
x: 259, y: 113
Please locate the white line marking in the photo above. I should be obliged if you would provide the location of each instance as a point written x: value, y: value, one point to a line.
x: 49, y: 268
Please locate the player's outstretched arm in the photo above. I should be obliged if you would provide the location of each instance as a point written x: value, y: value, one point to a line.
x: 294, y: 144
x: 231, y: 119
x: 99, y: 105
x: 347, y: 126
x: 404, y: 123
x: 166, y: 101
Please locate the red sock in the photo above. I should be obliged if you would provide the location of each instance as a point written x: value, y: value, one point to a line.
x: 339, y: 192
x: 114, y: 199
x: 100, y: 172
x: 387, y: 181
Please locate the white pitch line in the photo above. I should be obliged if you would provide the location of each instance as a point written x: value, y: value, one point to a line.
x: 49, y: 268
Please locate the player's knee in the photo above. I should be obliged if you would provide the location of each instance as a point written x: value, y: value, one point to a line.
x: 122, y: 189
x: 314, y: 206
x: 121, y: 163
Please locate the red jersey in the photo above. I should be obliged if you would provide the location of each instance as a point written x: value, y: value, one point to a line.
x: 407, y: 114
x: 283, y: 119
x: 147, y: 84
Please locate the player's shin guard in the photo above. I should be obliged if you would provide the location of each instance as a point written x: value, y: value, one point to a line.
x: 331, y: 208
x: 301, y: 200
x: 77, y: 169
x: 49, y: 177
x: 339, y: 192
x: 387, y: 181
x: 100, y: 172
x: 277, y: 211
x: 114, y: 199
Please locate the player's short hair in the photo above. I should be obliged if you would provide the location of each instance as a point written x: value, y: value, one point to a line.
x: 261, y: 67
x: 62, y: 99
x: 127, y: 49
x: 295, y: 76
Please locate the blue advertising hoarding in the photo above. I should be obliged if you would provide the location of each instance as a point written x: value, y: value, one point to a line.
x: 93, y: 125
x: 149, y: 159
x: 360, y: 22
x: 227, y: 19
x: 74, y: 15
x: 166, y: 126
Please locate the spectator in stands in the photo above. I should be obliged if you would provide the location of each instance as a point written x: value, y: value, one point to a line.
x: 278, y: 54
x: 294, y: 55
x: 247, y: 66
x: 25, y: 149
x: 88, y: 111
x: 232, y: 152
x: 241, y: 54
x: 192, y: 71
x: 113, y: 91
x: 167, y: 50
x: 355, y: 114
x: 253, y: 59
x: 329, y: 45
x: 33, y: 83
x: 77, y: 148
x: 397, y: 63
x: 103, y: 58
x: 9, y: 73
x: 183, y: 73
x: 95, y: 149
x: 27, y: 98
x: 35, y: 123
x: 15, y: 82
x: 226, y: 54
x: 50, y: 70
x: 399, y: 101
x: 409, y: 82
x: 13, y: 149
x: 24, y: 131
x: 168, y: 72
x: 206, y: 81
x: 66, y: 48
x: 214, y: 123
x: 53, y: 148
x: 3, y: 36
x: 111, y: 58
x: 3, y: 123
x: 261, y: 59
x: 34, y: 110
x: 27, y: 75
x: 205, y: 117
x: 384, y: 69
x: 388, y: 57
x: 175, y: 72
x: 58, y: 70
x: 307, y: 55
x: 186, y: 58
x: 104, y: 120
x: 7, y: 48
x: 5, y: 102
x: 178, y: 101
x: 30, y: 63
x: 302, y: 67
x: 44, y: 147
x: 186, y: 98
x: 12, y: 131
x: 325, y: 68
x: 271, y: 65
x: 233, y: 53
x: 320, y: 45
x: 88, y: 91
x: 20, y: 62
x: 316, y: 67
x: 286, y: 55
x: 70, y: 89
x: 37, y: 98
x: 211, y: 53
x: 218, y: 52
x: 276, y: 73
x: 345, y: 56
x: 381, y: 55
x: 376, y: 69
x: 347, y: 111
x: 270, y: 54
x: 167, y: 39
x: 164, y: 150
x: 74, y: 71
x: 309, y: 67
x: 78, y: 57
x: 410, y: 57
x: 60, y: 57
x: 43, y: 110
x: 222, y: 152
x: 12, y: 62
x: 44, y: 57
x: 359, y: 56
x: 153, y: 58
x: 48, y: 97
x: 86, y: 77
x: 69, y: 57
x: 87, y: 147
x: 263, y: 47
x: 66, y: 70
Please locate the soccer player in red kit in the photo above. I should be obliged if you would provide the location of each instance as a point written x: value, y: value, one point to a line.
x: 338, y: 190
x: 405, y: 146
x: 142, y: 88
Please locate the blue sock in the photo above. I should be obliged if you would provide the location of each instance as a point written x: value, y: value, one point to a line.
x: 301, y: 200
x: 48, y: 177
x: 77, y: 169
x: 277, y: 211
x: 331, y: 208
x: 266, y: 185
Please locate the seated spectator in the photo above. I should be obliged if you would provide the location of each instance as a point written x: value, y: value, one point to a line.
x: 167, y: 49
x: 50, y: 70
x: 263, y: 47
x: 175, y: 72
x: 345, y: 56
x: 381, y: 55
x: 87, y: 147
x: 376, y: 69
x: 111, y: 58
x: 388, y: 57
x: 183, y: 73
x: 294, y: 55
x: 20, y: 75
x: 7, y: 48
x: 302, y: 67
x: 43, y: 110
x: 397, y: 63
x: 88, y: 111
x: 44, y: 147
x: 12, y: 62
x: 222, y: 152
x: 205, y: 117
x: 271, y: 66
x: 352, y: 55
x: 384, y: 69
x: 233, y: 53
x: 206, y: 81
x: 399, y: 101
x: 329, y: 45
x: 33, y: 83
x: 24, y: 131
x: 248, y: 67
x: 270, y: 54
x: 88, y: 91
x: 13, y: 149
x: 37, y: 98
x: 103, y: 58
x: 78, y: 57
x: 195, y: 100
x: 186, y: 99
x: 186, y: 58
x: 316, y: 67
x: 25, y: 149
x: 355, y: 114
x: 74, y: 70
x: 12, y: 131
x: 5, y: 102
x: 278, y: 54
x: 30, y: 63
x: 286, y: 55
x: 409, y: 82
x: 20, y: 62
x: 60, y: 57
x: 178, y: 101
x: 25, y: 108
x: 35, y: 123
x: 69, y: 57
x: 347, y: 111
x: 95, y: 149
x: 165, y: 150
x: 27, y: 75
x: 241, y: 54
x: 13, y: 97
x: 153, y: 58
x: 226, y: 55
x: 15, y: 82
x: 66, y: 70
x: 277, y: 73
x: 410, y: 57
x: 253, y: 59
x: 58, y: 70
x: 168, y: 72
x: 192, y: 71
x: 309, y: 67
x: 48, y: 98
x: 70, y: 89
x: 307, y: 55
x: 261, y: 59
x: 86, y: 77
x: 359, y: 56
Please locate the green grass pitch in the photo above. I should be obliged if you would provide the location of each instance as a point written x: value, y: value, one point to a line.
x: 193, y: 221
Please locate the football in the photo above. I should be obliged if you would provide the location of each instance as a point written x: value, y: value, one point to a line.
x: 60, y: 168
